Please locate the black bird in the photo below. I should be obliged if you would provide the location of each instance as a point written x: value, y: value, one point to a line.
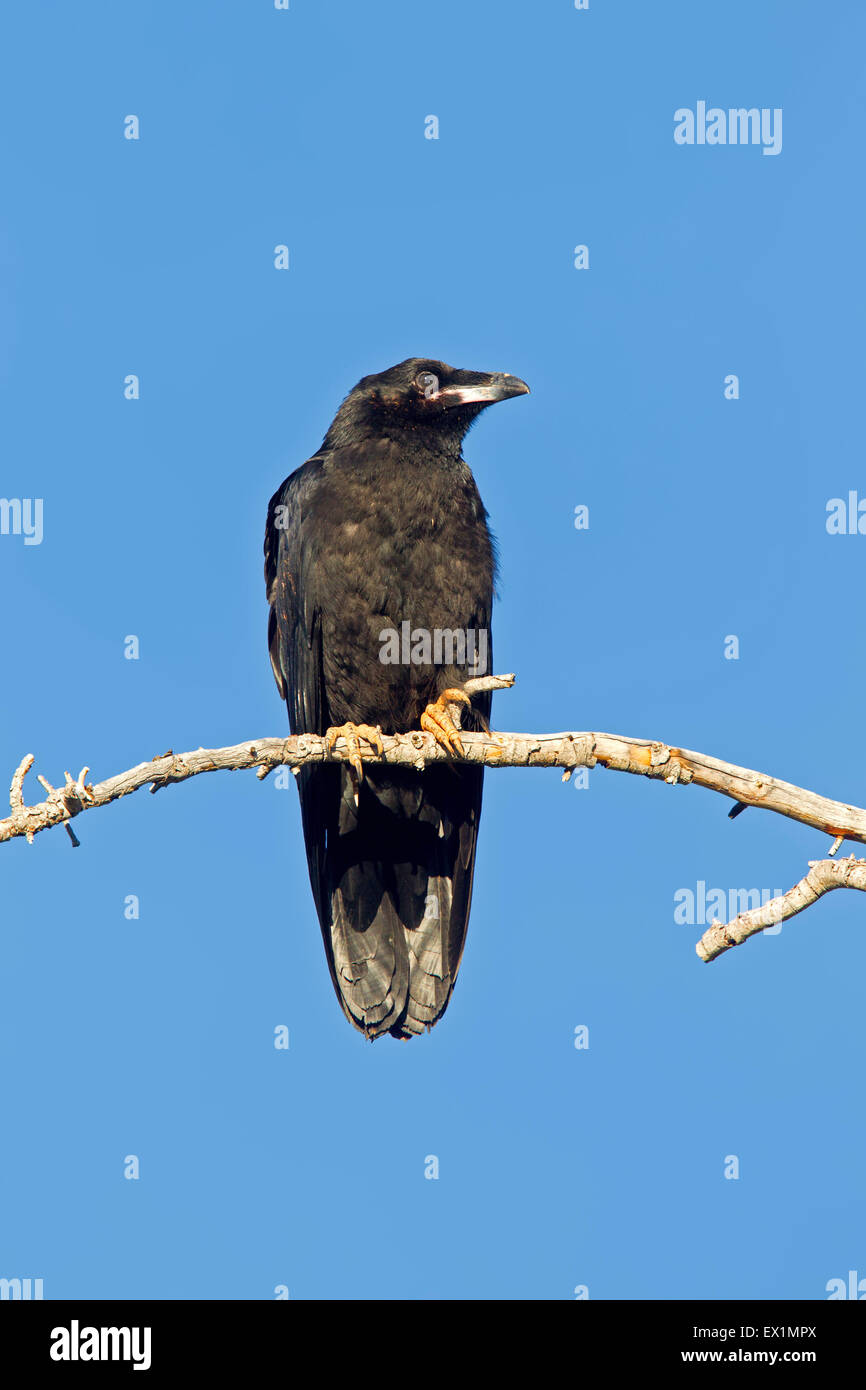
x: 380, y: 569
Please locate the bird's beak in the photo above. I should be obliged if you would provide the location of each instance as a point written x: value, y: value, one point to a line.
x: 482, y: 388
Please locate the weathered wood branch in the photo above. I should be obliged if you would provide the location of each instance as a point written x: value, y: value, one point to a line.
x: 617, y: 752
x: 824, y: 875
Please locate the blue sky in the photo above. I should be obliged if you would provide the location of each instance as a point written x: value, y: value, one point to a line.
x: 558, y: 1167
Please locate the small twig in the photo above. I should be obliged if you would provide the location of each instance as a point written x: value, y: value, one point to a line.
x: 16, y: 790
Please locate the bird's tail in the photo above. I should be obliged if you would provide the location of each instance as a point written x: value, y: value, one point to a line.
x: 392, y: 880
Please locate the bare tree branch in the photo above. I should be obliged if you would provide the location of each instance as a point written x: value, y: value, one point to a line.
x: 617, y: 752
x: 824, y: 875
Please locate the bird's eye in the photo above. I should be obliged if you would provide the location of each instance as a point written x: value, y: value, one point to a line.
x: 428, y: 383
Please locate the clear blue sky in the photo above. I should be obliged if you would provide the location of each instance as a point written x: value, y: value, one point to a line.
x: 558, y: 1167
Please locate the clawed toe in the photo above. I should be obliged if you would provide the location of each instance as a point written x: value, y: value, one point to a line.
x: 353, y: 734
x: 437, y: 720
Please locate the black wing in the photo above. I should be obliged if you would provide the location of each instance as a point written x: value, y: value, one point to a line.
x: 295, y: 646
x: 294, y: 630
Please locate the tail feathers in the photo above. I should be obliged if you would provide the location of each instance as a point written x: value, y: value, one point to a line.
x: 392, y: 878
x: 430, y: 979
x: 392, y: 977
x: 371, y: 966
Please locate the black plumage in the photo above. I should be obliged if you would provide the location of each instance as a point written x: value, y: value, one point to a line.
x: 381, y: 528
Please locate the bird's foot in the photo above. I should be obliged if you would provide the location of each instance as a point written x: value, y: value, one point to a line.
x: 438, y: 721
x: 353, y: 734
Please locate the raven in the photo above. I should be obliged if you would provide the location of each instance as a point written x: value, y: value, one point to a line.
x: 380, y: 569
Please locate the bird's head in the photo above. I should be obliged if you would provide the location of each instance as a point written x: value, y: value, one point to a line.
x: 422, y: 398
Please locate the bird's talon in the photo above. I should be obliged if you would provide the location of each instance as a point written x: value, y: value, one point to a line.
x: 437, y: 720
x: 353, y: 733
